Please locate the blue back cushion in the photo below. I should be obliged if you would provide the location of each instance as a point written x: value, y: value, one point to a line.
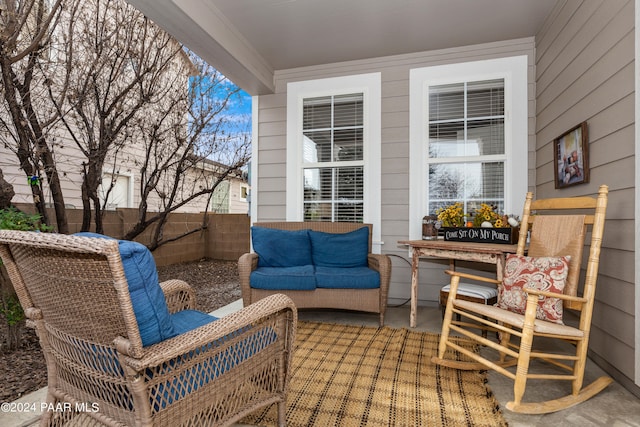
x: 281, y: 248
x: 147, y: 298
x: 340, y: 249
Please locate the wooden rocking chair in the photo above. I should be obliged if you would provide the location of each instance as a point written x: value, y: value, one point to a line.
x: 558, y: 228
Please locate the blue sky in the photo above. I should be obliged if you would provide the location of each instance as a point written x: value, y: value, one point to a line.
x: 240, y: 108
x: 238, y: 112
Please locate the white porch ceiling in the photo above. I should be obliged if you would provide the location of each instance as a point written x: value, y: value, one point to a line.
x: 248, y: 40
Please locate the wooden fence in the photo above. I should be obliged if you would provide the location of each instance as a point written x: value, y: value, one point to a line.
x: 226, y: 237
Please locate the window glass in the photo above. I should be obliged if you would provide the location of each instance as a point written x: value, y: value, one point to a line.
x: 333, y: 134
x: 466, y: 143
x: 471, y: 183
x: 466, y: 119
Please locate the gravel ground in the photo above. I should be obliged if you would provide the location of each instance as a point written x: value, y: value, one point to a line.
x: 216, y: 284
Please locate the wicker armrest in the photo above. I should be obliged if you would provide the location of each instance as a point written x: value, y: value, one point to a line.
x: 275, y: 311
x: 377, y: 261
x: 179, y: 295
x: 382, y: 264
x: 246, y: 264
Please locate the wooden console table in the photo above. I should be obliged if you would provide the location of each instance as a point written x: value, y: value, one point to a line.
x: 490, y: 253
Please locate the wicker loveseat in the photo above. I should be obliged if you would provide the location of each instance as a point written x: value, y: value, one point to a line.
x: 125, y: 350
x: 335, y: 269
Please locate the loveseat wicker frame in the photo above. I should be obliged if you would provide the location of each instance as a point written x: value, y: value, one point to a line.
x: 366, y: 300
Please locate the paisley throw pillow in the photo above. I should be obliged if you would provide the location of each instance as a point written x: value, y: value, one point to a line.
x: 541, y: 273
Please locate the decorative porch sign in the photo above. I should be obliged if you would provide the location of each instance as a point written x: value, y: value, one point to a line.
x: 507, y: 235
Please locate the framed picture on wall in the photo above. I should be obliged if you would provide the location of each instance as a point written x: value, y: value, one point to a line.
x: 571, y: 158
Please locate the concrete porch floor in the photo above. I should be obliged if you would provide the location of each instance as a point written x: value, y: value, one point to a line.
x: 614, y: 407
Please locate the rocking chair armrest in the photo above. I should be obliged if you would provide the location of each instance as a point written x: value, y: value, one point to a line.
x: 179, y: 295
x: 473, y: 277
x: 244, y: 322
x: 555, y: 295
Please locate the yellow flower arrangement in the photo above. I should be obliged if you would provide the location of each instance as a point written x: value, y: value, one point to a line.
x: 454, y: 216
x: 451, y: 216
x: 487, y: 213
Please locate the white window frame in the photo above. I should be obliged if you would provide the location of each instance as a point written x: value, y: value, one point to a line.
x: 370, y: 86
x: 514, y: 72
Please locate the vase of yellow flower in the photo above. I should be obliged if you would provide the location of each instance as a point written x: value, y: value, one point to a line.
x: 451, y: 216
x: 484, y: 225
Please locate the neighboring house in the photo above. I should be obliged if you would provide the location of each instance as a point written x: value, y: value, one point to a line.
x: 231, y: 196
x: 377, y: 65
x: 124, y: 171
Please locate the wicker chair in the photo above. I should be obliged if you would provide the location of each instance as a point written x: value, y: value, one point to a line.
x: 558, y: 228
x: 75, y: 293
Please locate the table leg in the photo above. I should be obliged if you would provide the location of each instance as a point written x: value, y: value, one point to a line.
x: 414, y: 287
x: 500, y: 266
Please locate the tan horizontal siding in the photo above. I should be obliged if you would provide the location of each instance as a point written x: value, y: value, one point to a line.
x: 585, y: 72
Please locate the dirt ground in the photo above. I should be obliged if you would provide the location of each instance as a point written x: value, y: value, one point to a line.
x: 216, y: 284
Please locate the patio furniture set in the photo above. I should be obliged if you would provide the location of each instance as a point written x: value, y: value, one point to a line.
x: 139, y: 351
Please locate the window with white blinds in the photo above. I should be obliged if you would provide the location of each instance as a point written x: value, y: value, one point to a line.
x: 466, y: 145
x: 468, y: 125
x: 333, y: 159
x: 333, y: 156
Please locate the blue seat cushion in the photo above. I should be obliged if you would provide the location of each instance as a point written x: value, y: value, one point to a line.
x: 290, y: 278
x: 147, y: 298
x: 347, y: 278
x: 189, y: 381
x: 187, y: 320
x: 281, y: 248
x: 340, y: 249
x: 106, y: 360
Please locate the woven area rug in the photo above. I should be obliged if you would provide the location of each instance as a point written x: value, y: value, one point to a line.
x: 364, y: 376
